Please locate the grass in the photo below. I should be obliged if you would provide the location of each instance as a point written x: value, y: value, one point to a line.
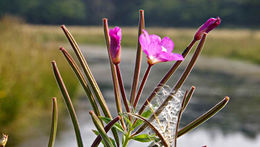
x: 26, y: 79
x: 239, y: 44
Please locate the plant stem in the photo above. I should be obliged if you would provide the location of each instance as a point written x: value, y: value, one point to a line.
x: 68, y: 102
x: 126, y: 140
x: 122, y: 89
x: 54, y: 123
x: 138, y: 58
x: 142, y: 85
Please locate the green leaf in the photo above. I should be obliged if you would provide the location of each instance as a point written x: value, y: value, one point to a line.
x: 116, y: 125
x: 144, y: 138
x: 128, y: 122
x: 95, y: 132
x: 146, y: 114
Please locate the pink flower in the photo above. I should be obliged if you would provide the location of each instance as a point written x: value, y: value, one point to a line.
x: 115, y: 41
x: 157, y: 49
x: 209, y: 25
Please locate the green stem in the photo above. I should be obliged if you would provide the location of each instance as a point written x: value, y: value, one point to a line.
x: 127, y: 139
x: 68, y: 102
x: 54, y: 123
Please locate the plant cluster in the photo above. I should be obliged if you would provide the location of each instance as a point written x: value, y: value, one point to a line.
x: 162, y: 116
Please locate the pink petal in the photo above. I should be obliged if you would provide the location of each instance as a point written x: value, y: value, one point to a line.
x: 168, y: 44
x: 164, y: 57
x: 144, y: 40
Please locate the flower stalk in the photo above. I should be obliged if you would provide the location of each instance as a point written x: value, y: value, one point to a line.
x: 142, y: 85
x: 122, y: 89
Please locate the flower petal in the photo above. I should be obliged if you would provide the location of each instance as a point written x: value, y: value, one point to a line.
x: 167, y: 43
x: 144, y: 40
x: 164, y: 57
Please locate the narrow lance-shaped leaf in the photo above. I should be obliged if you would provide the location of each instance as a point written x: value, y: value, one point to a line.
x: 54, y: 122
x: 178, y: 84
x: 90, y: 77
x: 164, y: 142
x: 203, y: 118
x: 68, y: 102
x: 82, y: 80
x: 138, y: 58
x: 102, y: 132
x: 113, y: 72
x: 107, y: 128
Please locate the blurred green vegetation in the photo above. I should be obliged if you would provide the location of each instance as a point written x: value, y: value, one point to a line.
x: 26, y: 79
x: 174, y: 13
x: 239, y: 44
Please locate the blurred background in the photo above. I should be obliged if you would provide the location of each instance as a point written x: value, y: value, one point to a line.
x: 30, y: 37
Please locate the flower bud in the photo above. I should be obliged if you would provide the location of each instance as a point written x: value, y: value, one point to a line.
x: 115, y: 41
x: 209, y: 25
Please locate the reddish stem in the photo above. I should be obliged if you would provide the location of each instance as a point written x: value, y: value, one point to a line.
x: 142, y: 85
x: 122, y: 89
